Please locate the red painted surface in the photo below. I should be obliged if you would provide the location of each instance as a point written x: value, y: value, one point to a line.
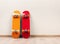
x: 26, y: 24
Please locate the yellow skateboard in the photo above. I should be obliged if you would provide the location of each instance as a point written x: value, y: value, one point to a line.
x: 16, y: 24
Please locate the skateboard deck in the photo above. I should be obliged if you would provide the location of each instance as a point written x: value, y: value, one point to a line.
x: 26, y: 24
x: 16, y: 24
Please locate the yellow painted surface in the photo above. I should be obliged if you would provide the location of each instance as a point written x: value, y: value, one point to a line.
x: 16, y: 21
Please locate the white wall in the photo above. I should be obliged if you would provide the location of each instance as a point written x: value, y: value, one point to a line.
x: 45, y: 15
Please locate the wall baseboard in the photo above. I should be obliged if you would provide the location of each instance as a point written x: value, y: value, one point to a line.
x: 34, y: 36
x: 5, y: 36
x: 45, y: 35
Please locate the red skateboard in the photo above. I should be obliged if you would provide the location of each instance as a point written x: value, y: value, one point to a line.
x: 26, y: 24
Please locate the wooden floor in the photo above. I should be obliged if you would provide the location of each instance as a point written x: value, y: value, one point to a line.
x: 32, y: 40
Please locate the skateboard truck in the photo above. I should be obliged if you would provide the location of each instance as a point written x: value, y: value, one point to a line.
x: 15, y: 16
x: 26, y: 31
x: 26, y: 16
x: 16, y: 32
